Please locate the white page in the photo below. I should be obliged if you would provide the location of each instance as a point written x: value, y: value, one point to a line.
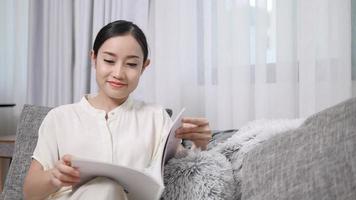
x: 172, y: 142
x: 140, y: 186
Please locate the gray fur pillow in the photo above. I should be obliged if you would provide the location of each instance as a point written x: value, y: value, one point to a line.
x: 198, y: 175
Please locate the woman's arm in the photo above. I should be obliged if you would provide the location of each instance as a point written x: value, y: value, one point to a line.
x: 40, y: 183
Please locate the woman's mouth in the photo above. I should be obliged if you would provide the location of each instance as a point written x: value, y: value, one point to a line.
x: 117, y: 84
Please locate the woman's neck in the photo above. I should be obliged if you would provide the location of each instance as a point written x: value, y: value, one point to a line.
x: 103, y: 102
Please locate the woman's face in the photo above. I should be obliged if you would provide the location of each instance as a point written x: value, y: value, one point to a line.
x: 119, y: 65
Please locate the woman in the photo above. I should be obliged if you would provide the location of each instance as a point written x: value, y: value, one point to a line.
x: 109, y: 126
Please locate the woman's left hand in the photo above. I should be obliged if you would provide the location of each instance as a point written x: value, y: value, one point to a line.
x: 195, y: 129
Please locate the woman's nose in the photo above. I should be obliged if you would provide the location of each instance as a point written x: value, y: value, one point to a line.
x: 118, y: 71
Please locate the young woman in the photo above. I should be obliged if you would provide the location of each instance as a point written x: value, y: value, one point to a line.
x: 109, y: 126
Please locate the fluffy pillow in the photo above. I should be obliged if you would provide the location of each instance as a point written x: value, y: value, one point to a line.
x: 198, y: 175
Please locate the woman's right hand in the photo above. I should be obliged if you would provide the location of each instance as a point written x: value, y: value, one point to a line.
x: 63, y: 174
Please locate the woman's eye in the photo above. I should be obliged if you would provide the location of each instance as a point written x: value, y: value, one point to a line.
x: 132, y: 64
x: 109, y: 61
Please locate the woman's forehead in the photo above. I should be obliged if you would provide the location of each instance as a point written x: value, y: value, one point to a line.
x: 121, y: 46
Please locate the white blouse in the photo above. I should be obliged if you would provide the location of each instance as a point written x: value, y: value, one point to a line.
x: 133, y: 135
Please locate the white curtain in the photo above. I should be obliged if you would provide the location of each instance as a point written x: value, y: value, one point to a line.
x: 50, y: 53
x: 324, y: 53
x: 238, y: 60
x: 13, y: 61
x: 231, y: 61
x: 61, y: 34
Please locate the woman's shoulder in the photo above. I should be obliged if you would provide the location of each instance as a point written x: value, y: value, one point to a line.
x: 146, y: 107
x: 63, y: 110
x: 143, y: 105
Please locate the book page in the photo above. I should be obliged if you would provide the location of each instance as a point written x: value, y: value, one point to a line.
x: 140, y: 186
x: 172, y: 142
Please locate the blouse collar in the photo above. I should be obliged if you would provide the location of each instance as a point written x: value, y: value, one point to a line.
x: 112, y: 114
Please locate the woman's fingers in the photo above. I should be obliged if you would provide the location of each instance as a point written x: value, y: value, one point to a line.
x: 195, y: 136
x: 195, y: 129
x: 56, y: 182
x: 64, y: 177
x: 59, y: 180
x: 196, y: 121
x: 191, y: 125
x: 63, y: 174
x: 67, y: 159
x: 63, y: 168
x: 186, y: 129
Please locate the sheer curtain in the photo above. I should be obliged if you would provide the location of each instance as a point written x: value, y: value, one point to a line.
x: 231, y: 61
x: 324, y: 52
x: 60, y: 39
x: 235, y: 61
x: 13, y: 61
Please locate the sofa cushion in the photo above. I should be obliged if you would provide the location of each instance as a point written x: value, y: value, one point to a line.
x: 315, y: 161
x: 26, y: 139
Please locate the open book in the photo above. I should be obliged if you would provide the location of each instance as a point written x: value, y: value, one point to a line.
x: 139, y: 185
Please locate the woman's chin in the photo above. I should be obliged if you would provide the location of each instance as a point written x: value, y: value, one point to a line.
x: 118, y: 97
x: 116, y: 94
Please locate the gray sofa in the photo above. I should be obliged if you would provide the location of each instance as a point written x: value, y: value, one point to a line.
x: 315, y: 161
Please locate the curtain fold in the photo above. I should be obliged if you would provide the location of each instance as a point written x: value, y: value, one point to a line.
x: 50, y: 53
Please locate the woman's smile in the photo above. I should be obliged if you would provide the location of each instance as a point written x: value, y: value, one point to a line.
x: 117, y: 84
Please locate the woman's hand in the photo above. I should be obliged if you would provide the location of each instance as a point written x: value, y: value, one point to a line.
x: 63, y: 174
x: 195, y: 129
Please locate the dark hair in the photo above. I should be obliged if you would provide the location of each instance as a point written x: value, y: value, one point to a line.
x: 119, y: 28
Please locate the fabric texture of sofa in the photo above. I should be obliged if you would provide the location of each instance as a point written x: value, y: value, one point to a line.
x: 316, y: 160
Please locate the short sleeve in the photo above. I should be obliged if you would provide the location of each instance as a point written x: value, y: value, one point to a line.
x: 46, y: 151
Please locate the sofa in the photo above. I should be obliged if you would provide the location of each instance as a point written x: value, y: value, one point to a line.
x: 315, y: 159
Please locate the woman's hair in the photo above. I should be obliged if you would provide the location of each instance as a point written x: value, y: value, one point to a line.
x: 120, y: 28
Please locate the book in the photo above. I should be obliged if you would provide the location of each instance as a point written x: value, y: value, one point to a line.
x: 139, y: 185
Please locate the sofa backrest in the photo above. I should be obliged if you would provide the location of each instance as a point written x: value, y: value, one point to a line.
x: 315, y: 161
x: 26, y: 139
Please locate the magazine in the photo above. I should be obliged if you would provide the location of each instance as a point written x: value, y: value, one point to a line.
x: 139, y: 185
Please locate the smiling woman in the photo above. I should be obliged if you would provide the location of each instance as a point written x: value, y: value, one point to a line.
x: 119, y: 64
x: 104, y: 126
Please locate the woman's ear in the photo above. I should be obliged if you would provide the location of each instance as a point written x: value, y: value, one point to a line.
x: 145, y: 65
x: 93, y: 58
